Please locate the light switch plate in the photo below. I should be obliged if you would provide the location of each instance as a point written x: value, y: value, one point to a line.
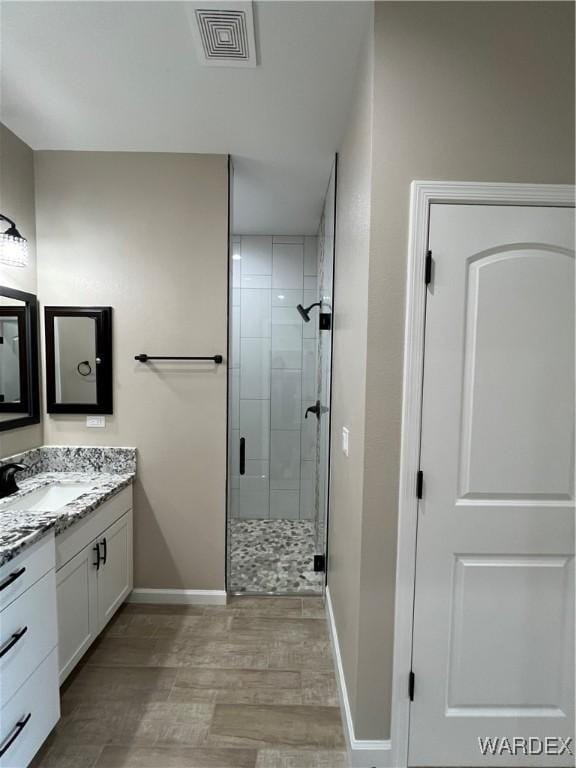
x: 345, y: 440
x: 96, y: 421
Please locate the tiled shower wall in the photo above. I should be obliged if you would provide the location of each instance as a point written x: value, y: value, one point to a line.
x: 273, y: 377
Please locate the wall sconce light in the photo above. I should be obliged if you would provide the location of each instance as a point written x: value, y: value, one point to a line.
x: 13, y: 247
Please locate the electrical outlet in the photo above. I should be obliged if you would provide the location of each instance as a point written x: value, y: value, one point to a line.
x: 96, y: 421
x: 345, y: 440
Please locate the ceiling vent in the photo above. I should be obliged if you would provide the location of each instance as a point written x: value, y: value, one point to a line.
x: 224, y: 33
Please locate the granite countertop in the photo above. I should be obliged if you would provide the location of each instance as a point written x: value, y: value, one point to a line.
x: 20, y: 528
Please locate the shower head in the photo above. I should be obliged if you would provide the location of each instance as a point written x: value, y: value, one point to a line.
x: 305, y: 313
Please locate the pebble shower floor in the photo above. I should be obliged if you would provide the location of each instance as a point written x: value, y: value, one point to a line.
x: 273, y: 556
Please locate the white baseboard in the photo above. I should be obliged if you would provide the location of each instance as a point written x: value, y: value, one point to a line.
x: 178, y: 596
x: 363, y: 753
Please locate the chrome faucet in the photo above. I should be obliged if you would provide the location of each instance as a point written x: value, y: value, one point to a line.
x: 7, y: 478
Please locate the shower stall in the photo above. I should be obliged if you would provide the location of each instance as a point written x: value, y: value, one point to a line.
x: 279, y: 409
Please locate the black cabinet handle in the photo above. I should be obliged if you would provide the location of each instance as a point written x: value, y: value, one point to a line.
x: 13, y: 640
x: 98, y: 558
x: 11, y: 579
x: 105, y: 546
x: 242, y: 455
x: 16, y: 731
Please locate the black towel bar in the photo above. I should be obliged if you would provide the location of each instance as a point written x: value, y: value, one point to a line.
x: 143, y: 358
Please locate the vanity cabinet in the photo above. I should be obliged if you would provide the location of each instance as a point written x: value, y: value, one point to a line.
x: 29, y: 700
x: 94, y: 577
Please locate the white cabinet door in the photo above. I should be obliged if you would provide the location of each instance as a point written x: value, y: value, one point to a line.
x: 115, y: 574
x: 77, y: 609
x: 493, y: 652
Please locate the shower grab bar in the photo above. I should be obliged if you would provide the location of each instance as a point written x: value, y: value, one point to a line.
x: 143, y: 358
x: 242, y: 455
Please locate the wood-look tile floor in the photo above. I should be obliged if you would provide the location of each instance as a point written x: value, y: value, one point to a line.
x: 247, y: 685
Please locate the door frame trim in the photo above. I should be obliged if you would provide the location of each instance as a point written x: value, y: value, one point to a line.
x: 422, y: 195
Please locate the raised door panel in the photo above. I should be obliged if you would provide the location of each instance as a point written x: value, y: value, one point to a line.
x: 114, y: 578
x: 493, y: 643
x: 516, y: 440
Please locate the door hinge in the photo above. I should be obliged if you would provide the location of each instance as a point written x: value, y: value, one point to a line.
x: 419, y: 483
x: 411, y: 678
x: 319, y: 563
x: 428, y: 268
x: 325, y: 321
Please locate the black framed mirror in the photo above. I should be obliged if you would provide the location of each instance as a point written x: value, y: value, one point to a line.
x: 19, y: 385
x: 78, y: 359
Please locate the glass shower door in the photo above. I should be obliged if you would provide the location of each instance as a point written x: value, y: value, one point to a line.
x: 272, y: 501
x: 326, y: 240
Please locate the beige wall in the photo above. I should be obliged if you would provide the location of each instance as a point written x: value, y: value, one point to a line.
x: 147, y: 235
x: 17, y: 202
x: 462, y: 91
x: 349, y: 368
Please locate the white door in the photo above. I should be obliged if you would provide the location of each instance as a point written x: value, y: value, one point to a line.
x: 114, y: 576
x: 493, y: 646
x: 77, y: 609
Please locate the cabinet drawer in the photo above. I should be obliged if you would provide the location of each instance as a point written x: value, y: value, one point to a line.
x: 29, y: 716
x: 27, y: 633
x: 19, y: 574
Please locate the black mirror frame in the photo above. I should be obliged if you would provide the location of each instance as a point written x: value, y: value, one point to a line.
x: 104, y: 398
x: 32, y: 383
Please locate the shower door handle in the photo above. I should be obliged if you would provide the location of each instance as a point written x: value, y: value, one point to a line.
x: 242, y: 455
x: 316, y: 409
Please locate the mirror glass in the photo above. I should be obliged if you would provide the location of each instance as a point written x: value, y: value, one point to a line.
x: 10, y: 374
x: 18, y: 359
x: 75, y: 359
x: 12, y: 368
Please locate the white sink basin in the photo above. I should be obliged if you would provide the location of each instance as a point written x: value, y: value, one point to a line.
x: 49, y: 498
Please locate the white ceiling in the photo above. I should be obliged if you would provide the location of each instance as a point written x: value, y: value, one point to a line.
x: 124, y: 76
